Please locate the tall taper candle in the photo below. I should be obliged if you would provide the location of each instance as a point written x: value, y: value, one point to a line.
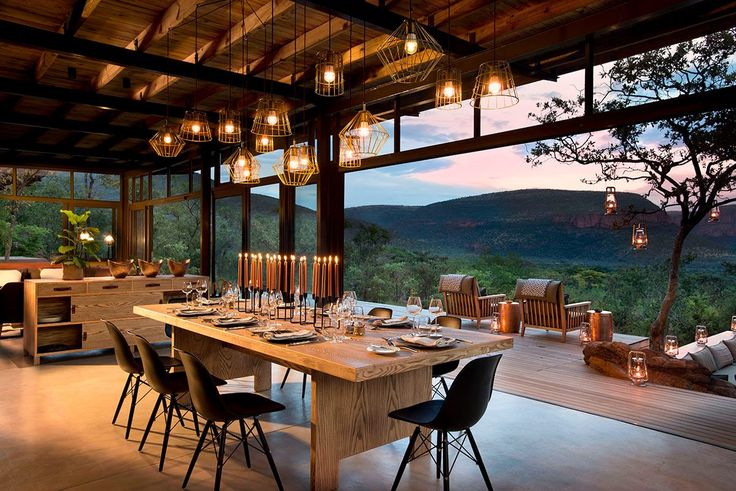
x: 292, y: 270
x: 336, y: 280
x: 314, y: 277
x: 245, y: 273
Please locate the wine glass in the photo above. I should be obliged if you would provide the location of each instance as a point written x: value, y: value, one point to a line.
x: 264, y: 303
x: 344, y: 316
x: 435, y: 307
x: 202, y: 288
x: 187, y: 290
x: 414, y: 305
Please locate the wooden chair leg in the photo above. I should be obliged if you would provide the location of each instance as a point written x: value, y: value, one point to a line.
x: 405, y: 460
x: 197, y: 451
x: 122, y: 397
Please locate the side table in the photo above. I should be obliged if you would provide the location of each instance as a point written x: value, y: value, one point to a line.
x: 601, y: 325
x: 509, y: 317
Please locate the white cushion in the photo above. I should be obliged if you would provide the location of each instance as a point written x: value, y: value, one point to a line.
x: 721, y: 354
x: 731, y: 344
x: 52, y: 274
x: 705, y: 358
x: 9, y: 276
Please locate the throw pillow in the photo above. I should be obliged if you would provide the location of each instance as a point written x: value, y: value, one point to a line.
x: 705, y: 359
x: 731, y: 344
x: 721, y: 354
x: 9, y: 276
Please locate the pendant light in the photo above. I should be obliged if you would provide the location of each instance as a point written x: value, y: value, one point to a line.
x: 272, y: 115
x: 639, y: 237
x: 228, y: 127
x: 196, y: 127
x: 494, y: 85
x: 449, y: 85
x: 364, y: 134
x: 347, y: 156
x: 410, y: 53
x: 329, y: 78
x: 166, y: 142
x: 611, y: 204
x: 264, y: 144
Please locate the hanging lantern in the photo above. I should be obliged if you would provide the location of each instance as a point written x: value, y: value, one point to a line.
x: 272, y: 118
x: 297, y: 166
x: 243, y: 167
x: 329, y: 78
x: 166, y: 142
x: 349, y: 157
x: 195, y: 127
x: 701, y: 335
x: 671, y: 346
x: 410, y: 53
x: 264, y: 144
x: 228, y: 128
x: 714, y: 215
x: 638, y: 368
x: 611, y: 205
x: 365, y: 131
x: 733, y: 325
x: 639, y: 237
x: 448, y: 89
x: 494, y: 86
x: 586, y: 335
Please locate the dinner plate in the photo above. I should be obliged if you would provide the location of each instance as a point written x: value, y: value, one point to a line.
x: 430, y: 343
x: 194, y: 313
x: 382, y: 350
x: 234, y: 322
x: 269, y: 336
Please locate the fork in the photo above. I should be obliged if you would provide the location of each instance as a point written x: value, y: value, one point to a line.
x: 390, y: 342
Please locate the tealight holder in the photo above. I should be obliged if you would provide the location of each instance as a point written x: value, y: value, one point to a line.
x: 671, y: 345
x: 638, y: 368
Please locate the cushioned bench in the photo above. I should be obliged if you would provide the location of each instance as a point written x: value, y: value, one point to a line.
x: 718, y: 356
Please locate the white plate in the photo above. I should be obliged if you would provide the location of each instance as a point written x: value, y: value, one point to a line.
x: 382, y: 350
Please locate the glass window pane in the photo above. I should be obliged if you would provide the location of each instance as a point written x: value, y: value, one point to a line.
x: 264, y: 219
x: 180, y: 179
x: 267, y: 160
x: 228, y: 236
x: 159, y: 186
x: 28, y: 229
x: 6, y: 180
x: 176, y: 232
x: 101, y: 218
x: 96, y: 186
x: 138, y: 234
x: 46, y: 183
x: 305, y: 219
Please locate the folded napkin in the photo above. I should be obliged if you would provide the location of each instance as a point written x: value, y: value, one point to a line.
x: 394, y: 322
x: 428, y: 342
x: 234, y: 321
x: 292, y: 334
x: 194, y: 313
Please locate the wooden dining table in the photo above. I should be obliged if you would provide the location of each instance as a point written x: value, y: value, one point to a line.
x: 353, y: 389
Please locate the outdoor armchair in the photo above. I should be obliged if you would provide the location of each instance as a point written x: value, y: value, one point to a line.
x: 543, y: 306
x: 462, y: 298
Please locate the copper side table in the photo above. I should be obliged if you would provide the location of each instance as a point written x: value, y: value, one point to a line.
x: 601, y: 325
x: 509, y: 314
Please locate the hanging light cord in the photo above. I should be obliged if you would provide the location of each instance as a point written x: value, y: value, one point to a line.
x: 449, y: 34
x: 229, y: 53
x: 364, y: 41
x: 494, y: 31
x: 196, y: 55
x: 244, y: 64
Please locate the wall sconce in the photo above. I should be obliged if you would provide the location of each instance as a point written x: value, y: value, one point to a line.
x: 638, y: 368
x: 701, y: 335
x: 671, y: 346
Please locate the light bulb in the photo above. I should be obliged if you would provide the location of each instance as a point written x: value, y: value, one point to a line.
x: 449, y: 89
x: 363, y: 129
x: 241, y: 161
x: 264, y: 140
x: 109, y: 239
x: 293, y: 163
x: 272, y: 118
x: 349, y: 153
x: 246, y: 172
x: 84, y: 236
x: 196, y: 128
x: 329, y: 74
x: 229, y: 126
x: 410, y: 44
x: 167, y: 138
x: 494, y: 86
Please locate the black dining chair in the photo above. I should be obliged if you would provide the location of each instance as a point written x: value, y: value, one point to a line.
x: 170, y: 387
x: 440, y: 370
x: 226, y: 409
x: 381, y: 312
x: 304, y: 381
x: 133, y: 366
x: 465, y: 404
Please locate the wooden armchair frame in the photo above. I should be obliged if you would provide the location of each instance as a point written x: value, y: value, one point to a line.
x: 472, y: 307
x: 553, y: 316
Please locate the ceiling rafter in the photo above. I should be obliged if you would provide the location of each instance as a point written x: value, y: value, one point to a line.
x: 212, y: 48
x: 55, y: 163
x: 64, y: 124
x: 80, y: 12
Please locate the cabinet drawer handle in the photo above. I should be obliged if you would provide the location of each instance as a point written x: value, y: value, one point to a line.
x: 151, y: 285
x: 62, y: 288
x: 109, y: 287
x: 74, y: 309
x: 84, y: 336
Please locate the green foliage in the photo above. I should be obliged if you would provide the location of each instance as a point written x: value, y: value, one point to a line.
x: 78, y: 240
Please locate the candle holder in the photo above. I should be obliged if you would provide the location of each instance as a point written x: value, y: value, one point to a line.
x: 733, y: 325
x: 671, y: 345
x: 586, y: 335
x: 701, y: 335
x: 638, y: 368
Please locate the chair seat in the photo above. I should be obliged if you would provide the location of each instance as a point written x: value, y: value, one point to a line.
x: 421, y: 414
x: 246, y: 404
x: 444, y: 368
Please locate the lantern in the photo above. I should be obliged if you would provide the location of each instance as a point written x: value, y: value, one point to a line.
x: 195, y: 127
x: 329, y: 79
x: 671, y: 346
x: 228, y: 128
x: 639, y: 237
x: 611, y: 206
x: 585, y: 333
x: 243, y: 167
x: 494, y: 86
x: 714, y: 215
x: 448, y: 89
x: 272, y: 118
x: 166, y: 142
x: 410, y: 53
x: 638, y: 368
x: 733, y: 324
x: 701, y: 335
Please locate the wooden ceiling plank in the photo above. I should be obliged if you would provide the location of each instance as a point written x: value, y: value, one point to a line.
x: 167, y: 19
x: 80, y: 12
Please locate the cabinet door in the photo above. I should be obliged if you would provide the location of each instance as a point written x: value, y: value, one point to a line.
x: 120, y: 306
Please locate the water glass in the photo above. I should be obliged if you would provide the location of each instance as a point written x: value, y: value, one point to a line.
x: 422, y: 326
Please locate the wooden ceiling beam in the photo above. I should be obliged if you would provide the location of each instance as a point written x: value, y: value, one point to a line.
x: 63, y: 124
x: 81, y: 10
x: 21, y: 35
x: 212, y: 48
x: 55, y: 163
x: 68, y: 151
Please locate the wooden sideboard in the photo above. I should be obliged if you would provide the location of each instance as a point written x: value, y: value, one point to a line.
x: 67, y: 316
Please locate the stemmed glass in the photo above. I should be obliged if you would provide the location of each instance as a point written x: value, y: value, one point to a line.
x: 202, y: 288
x: 344, y: 315
x: 435, y: 307
x: 187, y: 290
x: 331, y: 331
x: 414, y: 306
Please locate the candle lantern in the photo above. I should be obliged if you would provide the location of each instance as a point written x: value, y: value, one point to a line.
x: 714, y: 215
x: 671, y: 346
x: 639, y: 237
x: 638, y: 368
x: 585, y: 333
x: 611, y: 205
x: 701, y: 335
x: 733, y: 324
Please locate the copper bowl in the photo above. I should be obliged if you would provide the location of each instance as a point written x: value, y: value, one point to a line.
x: 179, y: 268
x: 150, y: 269
x: 120, y: 270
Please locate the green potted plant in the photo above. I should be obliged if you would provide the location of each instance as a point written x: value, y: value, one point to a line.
x: 78, y: 244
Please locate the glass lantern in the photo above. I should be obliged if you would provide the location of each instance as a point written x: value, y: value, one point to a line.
x: 701, y: 335
x: 671, y: 346
x: 638, y: 368
x: 585, y: 333
x: 611, y: 205
x: 733, y: 325
x: 714, y: 215
x: 495, y: 324
x: 639, y: 237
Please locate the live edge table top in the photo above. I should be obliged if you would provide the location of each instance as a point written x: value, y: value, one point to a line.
x: 349, y: 360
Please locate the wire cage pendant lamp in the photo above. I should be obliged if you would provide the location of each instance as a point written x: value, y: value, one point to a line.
x: 195, y: 127
x: 243, y: 167
x: 329, y: 79
x: 297, y: 166
x: 449, y: 85
x: 494, y: 85
x: 228, y: 127
x: 167, y: 142
x: 264, y: 144
x: 348, y: 157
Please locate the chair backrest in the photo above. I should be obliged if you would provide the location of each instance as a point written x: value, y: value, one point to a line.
x: 449, y: 321
x: 542, y: 301
x: 382, y: 312
x: 123, y: 355
x: 155, y: 371
x: 202, y: 389
x: 460, y: 295
x: 469, y: 394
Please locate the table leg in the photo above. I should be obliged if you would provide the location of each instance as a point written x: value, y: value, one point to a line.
x: 349, y: 418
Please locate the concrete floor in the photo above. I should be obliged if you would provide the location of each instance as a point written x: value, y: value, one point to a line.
x: 56, y: 434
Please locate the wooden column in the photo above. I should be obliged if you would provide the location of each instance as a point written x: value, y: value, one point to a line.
x: 287, y: 227
x: 207, y: 156
x: 330, y: 197
x: 245, y: 236
x: 122, y: 241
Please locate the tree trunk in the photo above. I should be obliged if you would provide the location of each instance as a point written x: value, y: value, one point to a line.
x: 658, y: 327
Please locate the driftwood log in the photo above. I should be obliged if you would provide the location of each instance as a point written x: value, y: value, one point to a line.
x: 611, y: 358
